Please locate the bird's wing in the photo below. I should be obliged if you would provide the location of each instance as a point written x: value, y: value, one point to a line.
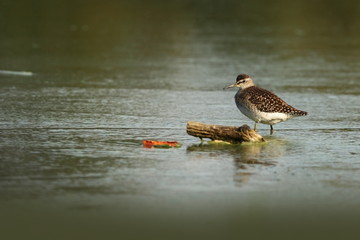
x: 266, y: 101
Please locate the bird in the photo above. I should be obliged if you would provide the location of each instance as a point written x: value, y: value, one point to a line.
x: 261, y: 105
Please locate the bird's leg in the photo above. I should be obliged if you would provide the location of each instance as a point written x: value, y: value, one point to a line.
x: 271, y: 130
x: 255, y: 126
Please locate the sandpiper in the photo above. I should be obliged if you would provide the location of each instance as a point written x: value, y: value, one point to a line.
x: 261, y: 105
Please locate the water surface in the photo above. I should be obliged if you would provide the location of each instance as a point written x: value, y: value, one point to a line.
x: 107, y: 76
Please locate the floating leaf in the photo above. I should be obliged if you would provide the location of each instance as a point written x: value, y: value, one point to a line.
x: 161, y: 144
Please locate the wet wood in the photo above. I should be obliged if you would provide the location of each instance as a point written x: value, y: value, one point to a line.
x: 224, y: 133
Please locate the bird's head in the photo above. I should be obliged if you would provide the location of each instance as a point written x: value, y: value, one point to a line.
x: 242, y: 81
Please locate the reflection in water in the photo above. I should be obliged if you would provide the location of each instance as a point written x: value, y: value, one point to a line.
x: 247, y: 156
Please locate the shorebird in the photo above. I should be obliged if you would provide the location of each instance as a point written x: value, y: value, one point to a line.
x: 261, y: 105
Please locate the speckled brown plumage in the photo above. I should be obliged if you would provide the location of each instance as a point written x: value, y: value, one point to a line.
x: 265, y: 101
x: 261, y: 105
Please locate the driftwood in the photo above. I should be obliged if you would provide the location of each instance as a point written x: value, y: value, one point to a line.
x: 223, y: 133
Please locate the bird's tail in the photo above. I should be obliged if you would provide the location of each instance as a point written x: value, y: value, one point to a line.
x: 298, y: 113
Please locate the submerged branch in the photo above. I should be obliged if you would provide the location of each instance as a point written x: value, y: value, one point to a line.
x: 223, y: 133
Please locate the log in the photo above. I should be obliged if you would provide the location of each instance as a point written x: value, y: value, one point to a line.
x: 223, y: 133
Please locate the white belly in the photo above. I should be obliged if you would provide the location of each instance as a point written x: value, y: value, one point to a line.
x: 265, y: 117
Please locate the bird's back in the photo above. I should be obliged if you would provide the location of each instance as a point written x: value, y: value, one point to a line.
x: 259, y: 99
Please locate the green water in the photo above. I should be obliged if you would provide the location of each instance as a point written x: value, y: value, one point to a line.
x: 100, y: 77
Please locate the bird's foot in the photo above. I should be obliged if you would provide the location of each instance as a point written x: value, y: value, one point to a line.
x: 271, y: 130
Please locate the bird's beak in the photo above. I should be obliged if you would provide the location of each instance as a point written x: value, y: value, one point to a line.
x: 230, y: 86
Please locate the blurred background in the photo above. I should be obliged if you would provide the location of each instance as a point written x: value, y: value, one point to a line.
x: 82, y: 83
x: 160, y: 44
